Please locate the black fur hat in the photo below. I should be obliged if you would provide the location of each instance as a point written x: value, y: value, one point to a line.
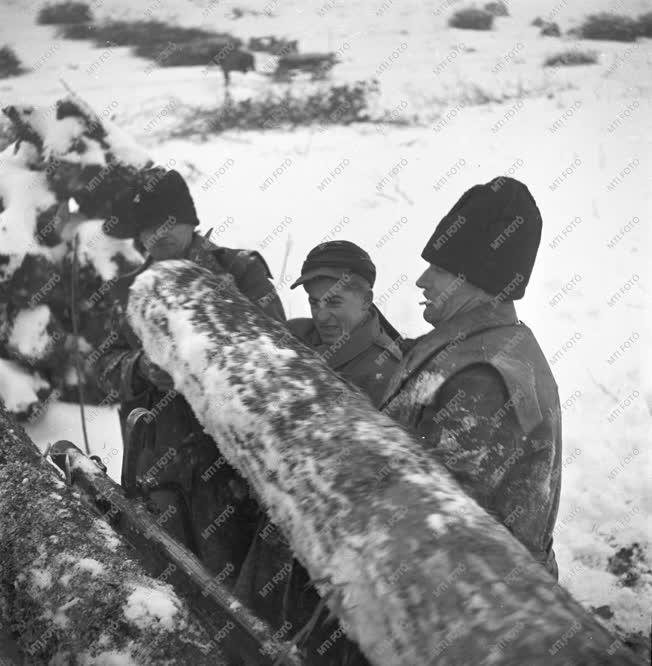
x: 491, y: 236
x: 159, y: 196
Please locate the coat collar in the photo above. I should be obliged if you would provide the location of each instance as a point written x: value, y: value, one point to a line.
x: 358, y: 341
x: 450, y: 332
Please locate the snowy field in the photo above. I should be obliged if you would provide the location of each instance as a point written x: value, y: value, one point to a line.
x: 579, y: 137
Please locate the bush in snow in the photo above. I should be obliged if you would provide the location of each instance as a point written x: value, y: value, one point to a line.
x: 149, y: 36
x: 571, y: 58
x: 64, y: 12
x: 471, y: 19
x: 61, y: 153
x: 497, y: 8
x: 550, y: 30
x: 316, y: 64
x: 223, y: 52
x: 644, y: 23
x: 274, y: 45
x: 240, y: 12
x: 343, y: 105
x: 167, y: 45
x: 611, y: 27
x: 9, y: 63
x: 538, y: 22
x: 79, y: 31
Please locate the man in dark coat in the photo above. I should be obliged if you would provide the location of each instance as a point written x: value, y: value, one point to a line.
x: 477, y: 389
x: 356, y: 341
x: 201, y: 500
x: 347, y: 330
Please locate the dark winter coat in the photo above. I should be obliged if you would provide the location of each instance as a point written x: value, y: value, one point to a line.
x: 479, y: 392
x: 184, y: 459
x: 368, y: 358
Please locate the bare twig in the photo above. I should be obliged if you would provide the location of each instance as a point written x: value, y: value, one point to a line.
x: 288, y: 247
x: 403, y: 194
x: 603, y: 388
x: 75, y: 330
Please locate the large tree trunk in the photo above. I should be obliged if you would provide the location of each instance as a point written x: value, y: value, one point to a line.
x: 416, y: 571
x: 70, y: 590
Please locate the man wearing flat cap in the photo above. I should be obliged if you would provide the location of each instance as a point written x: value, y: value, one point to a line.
x: 353, y: 337
x: 477, y: 389
x: 346, y: 328
x: 172, y: 462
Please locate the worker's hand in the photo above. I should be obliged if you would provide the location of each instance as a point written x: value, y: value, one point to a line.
x: 148, y: 370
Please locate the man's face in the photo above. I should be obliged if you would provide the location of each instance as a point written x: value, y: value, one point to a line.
x: 335, y: 309
x: 445, y: 294
x: 167, y: 241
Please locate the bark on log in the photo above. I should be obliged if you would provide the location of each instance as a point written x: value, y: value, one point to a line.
x: 417, y: 572
x: 69, y: 587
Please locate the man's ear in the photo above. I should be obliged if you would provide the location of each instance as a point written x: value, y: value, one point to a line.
x: 368, y: 299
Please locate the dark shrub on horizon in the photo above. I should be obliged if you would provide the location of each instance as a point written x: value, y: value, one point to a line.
x: 9, y: 63
x: 571, y: 58
x: 644, y: 23
x: 334, y: 105
x: 611, y: 27
x: 497, y: 8
x: 550, y: 30
x: 64, y: 12
x: 144, y: 34
x: 471, y: 19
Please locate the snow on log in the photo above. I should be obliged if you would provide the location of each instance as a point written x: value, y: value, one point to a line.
x: 72, y: 592
x: 416, y: 571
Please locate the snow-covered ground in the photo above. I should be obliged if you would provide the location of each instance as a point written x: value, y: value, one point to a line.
x: 579, y: 137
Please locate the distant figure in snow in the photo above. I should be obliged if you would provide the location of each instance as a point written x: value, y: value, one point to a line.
x: 176, y: 464
x: 477, y: 389
x: 356, y: 341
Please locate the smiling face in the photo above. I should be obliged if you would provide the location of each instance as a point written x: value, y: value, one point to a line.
x: 447, y: 294
x: 167, y: 241
x: 337, y: 308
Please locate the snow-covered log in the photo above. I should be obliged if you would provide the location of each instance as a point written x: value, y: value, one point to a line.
x: 416, y: 571
x: 72, y: 592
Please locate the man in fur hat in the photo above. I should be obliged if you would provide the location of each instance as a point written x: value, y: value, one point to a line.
x: 172, y: 462
x: 477, y: 389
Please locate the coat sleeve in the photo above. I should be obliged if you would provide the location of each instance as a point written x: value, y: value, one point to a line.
x: 253, y: 279
x: 475, y: 431
x: 115, y: 370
